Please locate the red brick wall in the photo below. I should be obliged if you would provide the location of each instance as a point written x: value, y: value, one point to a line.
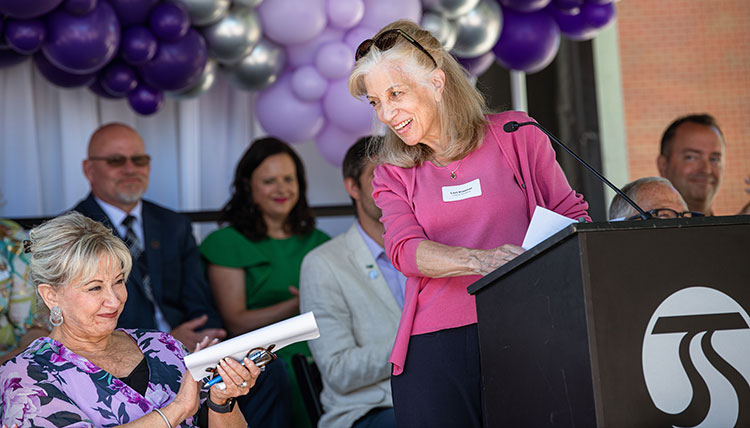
x: 687, y: 56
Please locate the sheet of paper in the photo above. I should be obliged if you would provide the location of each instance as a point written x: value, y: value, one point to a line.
x: 544, y: 223
x: 283, y: 333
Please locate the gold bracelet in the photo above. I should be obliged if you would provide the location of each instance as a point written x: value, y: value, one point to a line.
x: 169, y: 425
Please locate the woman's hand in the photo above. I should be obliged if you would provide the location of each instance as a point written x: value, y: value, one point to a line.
x: 186, y: 402
x: 237, y: 379
x: 489, y: 260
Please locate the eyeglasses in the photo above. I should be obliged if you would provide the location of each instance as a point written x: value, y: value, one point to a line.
x: 387, y: 40
x: 120, y: 160
x: 260, y: 356
x: 667, y: 213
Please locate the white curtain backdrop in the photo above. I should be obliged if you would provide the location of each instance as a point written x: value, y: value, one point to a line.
x: 194, y: 144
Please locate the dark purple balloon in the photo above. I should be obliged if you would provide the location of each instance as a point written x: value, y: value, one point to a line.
x: 118, y: 79
x: 569, y: 6
x: 598, y: 15
x: 82, y: 44
x: 25, y: 36
x: 10, y: 58
x: 525, y: 5
x: 145, y: 100
x: 79, y: 7
x: 177, y: 65
x: 138, y: 45
x: 528, y: 41
x: 26, y: 9
x: 96, y: 87
x: 61, y: 77
x: 132, y: 12
x: 169, y: 21
x: 573, y: 26
x: 478, y: 65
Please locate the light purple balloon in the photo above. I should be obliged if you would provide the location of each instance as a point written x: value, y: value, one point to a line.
x: 284, y: 116
x: 169, y: 21
x: 132, y: 12
x: 82, y: 44
x: 290, y: 22
x: 308, y: 84
x: 478, y: 65
x: 333, y: 142
x: 343, y: 110
x: 525, y: 5
x: 61, y: 77
x: 334, y: 60
x: 25, y: 36
x: 528, y: 42
x: 27, y: 9
x: 599, y: 15
x: 357, y: 35
x: 118, y: 79
x: 145, y: 100
x: 379, y: 13
x: 177, y: 65
x: 79, y: 7
x: 138, y: 45
x: 304, y: 53
x: 344, y: 13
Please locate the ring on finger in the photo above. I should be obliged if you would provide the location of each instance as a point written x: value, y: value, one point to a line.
x: 243, y: 384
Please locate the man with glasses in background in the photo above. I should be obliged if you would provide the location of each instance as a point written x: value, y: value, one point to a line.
x: 655, y: 195
x: 167, y: 289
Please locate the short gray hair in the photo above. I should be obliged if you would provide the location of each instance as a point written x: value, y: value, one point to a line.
x: 69, y: 247
x: 619, y: 208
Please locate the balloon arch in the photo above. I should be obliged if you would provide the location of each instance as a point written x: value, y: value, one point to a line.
x: 296, y: 54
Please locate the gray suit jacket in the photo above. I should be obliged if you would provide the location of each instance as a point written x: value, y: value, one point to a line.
x: 357, y: 317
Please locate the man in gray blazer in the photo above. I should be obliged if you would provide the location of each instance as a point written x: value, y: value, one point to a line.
x: 356, y: 295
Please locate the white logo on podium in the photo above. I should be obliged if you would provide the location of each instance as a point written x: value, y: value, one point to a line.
x: 696, y: 359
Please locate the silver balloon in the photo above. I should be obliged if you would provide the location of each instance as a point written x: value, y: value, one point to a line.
x: 207, y: 81
x: 441, y: 28
x: 205, y: 12
x: 257, y: 70
x: 234, y: 36
x: 450, y: 8
x: 478, y: 30
x: 248, y: 3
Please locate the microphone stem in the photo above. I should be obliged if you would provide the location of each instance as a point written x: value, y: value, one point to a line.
x: 642, y: 213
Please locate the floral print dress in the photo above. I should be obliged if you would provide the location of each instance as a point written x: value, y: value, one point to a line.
x: 49, y: 386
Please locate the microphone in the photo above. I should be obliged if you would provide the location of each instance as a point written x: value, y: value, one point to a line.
x: 513, y: 126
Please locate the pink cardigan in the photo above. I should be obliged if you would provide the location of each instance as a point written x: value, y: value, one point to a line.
x: 516, y: 173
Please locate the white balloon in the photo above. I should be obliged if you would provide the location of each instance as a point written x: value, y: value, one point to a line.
x: 204, y: 84
x: 205, y: 12
x: 478, y: 30
x: 451, y: 8
x: 234, y: 36
x: 257, y: 70
x: 248, y: 3
x: 440, y: 27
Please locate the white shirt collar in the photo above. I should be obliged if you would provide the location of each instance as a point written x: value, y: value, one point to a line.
x: 116, y: 216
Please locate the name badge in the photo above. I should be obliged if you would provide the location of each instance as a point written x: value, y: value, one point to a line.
x: 471, y: 189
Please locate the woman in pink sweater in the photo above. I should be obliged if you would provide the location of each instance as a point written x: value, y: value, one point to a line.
x: 457, y: 195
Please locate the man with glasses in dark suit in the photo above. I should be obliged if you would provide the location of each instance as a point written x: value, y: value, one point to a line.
x: 656, y: 195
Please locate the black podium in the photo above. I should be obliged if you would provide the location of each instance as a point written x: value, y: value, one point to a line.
x: 631, y: 324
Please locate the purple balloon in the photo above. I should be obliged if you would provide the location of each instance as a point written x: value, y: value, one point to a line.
x: 525, y: 5
x: 26, y: 36
x: 82, y: 44
x: 599, y: 15
x: 118, y: 79
x: 478, y: 65
x: 528, y: 41
x: 145, y: 100
x: 335, y: 60
x: 26, y: 9
x: 290, y: 22
x: 356, y: 36
x: 177, y: 65
x: 61, y: 77
x: 138, y: 45
x: 344, y: 13
x: 79, y: 7
x: 345, y: 111
x: 569, y: 6
x: 379, y: 13
x: 169, y: 21
x: 132, y: 12
x: 96, y: 87
x: 304, y: 53
x: 573, y: 26
x: 333, y: 143
x: 308, y: 84
x: 283, y: 115
x: 10, y: 58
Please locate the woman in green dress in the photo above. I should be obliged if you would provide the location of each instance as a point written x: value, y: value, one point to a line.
x: 253, y: 263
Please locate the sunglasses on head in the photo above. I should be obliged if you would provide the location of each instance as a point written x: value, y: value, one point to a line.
x: 121, y: 160
x: 386, y: 40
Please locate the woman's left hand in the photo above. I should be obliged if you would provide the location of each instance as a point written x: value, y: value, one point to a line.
x: 237, y: 378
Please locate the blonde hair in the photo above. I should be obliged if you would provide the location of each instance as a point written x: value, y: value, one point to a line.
x: 69, y: 247
x: 461, y: 111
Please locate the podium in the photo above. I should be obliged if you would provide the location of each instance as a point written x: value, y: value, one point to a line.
x: 630, y: 324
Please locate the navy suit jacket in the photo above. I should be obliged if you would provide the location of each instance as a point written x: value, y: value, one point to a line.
x: 174, y: 264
